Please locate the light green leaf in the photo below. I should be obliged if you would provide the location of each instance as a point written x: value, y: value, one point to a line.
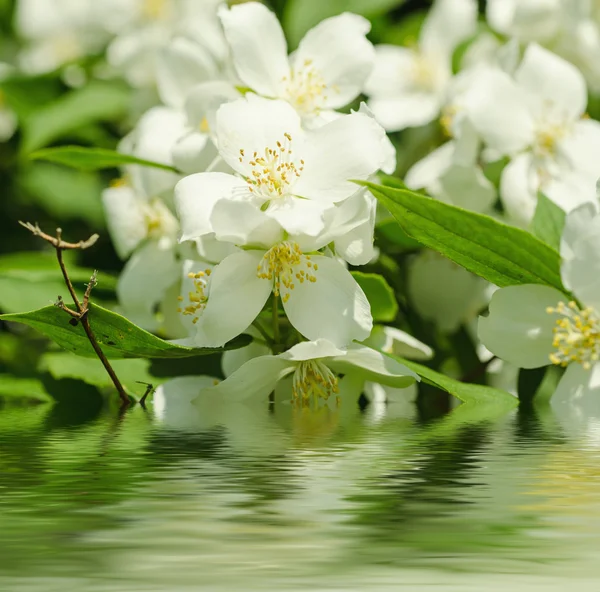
x: 384, y: 307
x: 302, y: 15
x: 501, y: 254
x: 548, y: 222
x: 93, y: 159
x: 91, y: 371
x: 492, y: 399
x: 30, y: 280
x: 63, y: 193
x: 15, y: 387
x: 98, y: 101
x: 118, y: 337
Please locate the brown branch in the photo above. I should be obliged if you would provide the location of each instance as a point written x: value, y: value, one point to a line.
x: 82, y: 311
x: 149, y: 390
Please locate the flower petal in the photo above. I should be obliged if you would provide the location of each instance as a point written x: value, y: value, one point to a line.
x: 195, y: 197
x: 180, y: 66
x: 519, y: 185
x: 339, y: 51
x: 312, y: 350
x: 241, y: 222
x: 352, y: 147
x: 391, y: 71
x: 333, y: 308
x: 552, y: 80
x: 235, y: 298
x: 255, y: 380
x: 500, y: 112
x: 408, y: 110
x: 580, y: 269
x: 518, y: 329
x: 145, y: 279
x: 204, y: 100
x: 254, y: 124
x: 258, y: 46
x: 580, y: 149
x: 394, y: 341
x: 296, y: 215
x: 577, y: 396
x: 125, y: 218
x: 448, y: 23
x: 193, y: 153
x: 374, y: 366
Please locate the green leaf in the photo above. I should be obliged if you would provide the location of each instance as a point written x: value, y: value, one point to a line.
x: 91, y: 371
x: 501, y: 254
x: 118, y: 337
x: 30, y: 280
x: 492, y: 399
x: 22, y: 388
x: 63, y: 193
x: 98, y: 101
x: 93, y: 159
x: 301, y: 15
x: 384, y: 307
x: 548, y: 222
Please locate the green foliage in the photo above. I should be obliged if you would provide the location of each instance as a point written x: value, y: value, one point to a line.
x: 492, y: 400
x: 22, y: 388
x: 32, y: 280
x: 118, y: 337
x: 93, y: 159
x: 384, y: 307
x: 302, y: 15
x: 91, y: 371
x: 98, y: 101
x: 501, y: 254
x: 63, y: 193
x: 548, y: 222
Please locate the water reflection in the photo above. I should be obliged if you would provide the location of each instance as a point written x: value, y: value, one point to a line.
x: 276, y: 498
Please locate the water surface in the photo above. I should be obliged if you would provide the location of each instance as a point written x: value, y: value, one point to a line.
x: 277, y: 499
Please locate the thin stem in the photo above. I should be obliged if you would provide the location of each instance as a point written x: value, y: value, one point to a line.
x: 82, y: 311
x: 276, y: 336
x: 265, y: 335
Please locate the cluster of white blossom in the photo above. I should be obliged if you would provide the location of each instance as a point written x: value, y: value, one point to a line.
x: 253, y: 228
x: 256, y: 233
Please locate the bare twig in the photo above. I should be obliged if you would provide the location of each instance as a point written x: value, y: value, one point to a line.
x: 82, y: 308
x: 149, y: 390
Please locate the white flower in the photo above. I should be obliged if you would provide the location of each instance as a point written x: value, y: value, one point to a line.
x: 154, y: 138
x: 537, y: 119
x: 290, y: 175
x: 315, y: 367
x: 326, y: 72
x: 319, y: 296
x: 532, y: 325
x: 408, y: 85
x: 172, y: 42
x: 146, y: 230
x: 462, y: 298
x: 452, y: 174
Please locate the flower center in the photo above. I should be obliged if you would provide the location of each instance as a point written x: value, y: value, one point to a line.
x: 198, y: 298
x: 284, y: 264
x: 423, y: 72
x: 159, y: 220
x: 576, y: 335
x: 273, y: 172
x: 313, y: 379
x: 154, y: 9
x: 305, y: 89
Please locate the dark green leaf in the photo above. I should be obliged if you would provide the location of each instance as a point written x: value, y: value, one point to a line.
x: 501, y: 254
x: 492, y: 399
x: 548, y: 222
x: 118, y: 337
x: 384, y: 307
x: 98, y: 101
x: 93, y: 159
